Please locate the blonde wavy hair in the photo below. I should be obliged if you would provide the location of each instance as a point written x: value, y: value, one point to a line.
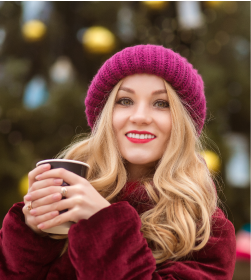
x: 184, y: 194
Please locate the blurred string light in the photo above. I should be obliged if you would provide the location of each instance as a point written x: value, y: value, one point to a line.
x: 23, y: 185
x: 212, y: 160
x: 126, y: 30
x: 98, y: 40
x: 35, y: 93
x: 62, y: 71
x: 35, y: 15
x: 155, y: 5
x: 189, y: 14
x: 237, y: 168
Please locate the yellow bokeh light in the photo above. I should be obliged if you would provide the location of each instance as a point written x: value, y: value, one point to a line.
x: 213, y: 4
x: 23, y: 185
x: 33, y: 30
x: 98, y: 39
x: 155, y: 4
x: 212, y: 160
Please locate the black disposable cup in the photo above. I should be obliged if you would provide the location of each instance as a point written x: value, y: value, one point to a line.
x: 77, y: 167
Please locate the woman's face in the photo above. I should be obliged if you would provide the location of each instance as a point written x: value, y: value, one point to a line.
x: 142, y: 119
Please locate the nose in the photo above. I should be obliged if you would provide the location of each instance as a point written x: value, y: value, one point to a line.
x: 141, y: 115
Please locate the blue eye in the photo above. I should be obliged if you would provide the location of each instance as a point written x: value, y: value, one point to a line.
x: 124, y: 101
x: 162, y: 104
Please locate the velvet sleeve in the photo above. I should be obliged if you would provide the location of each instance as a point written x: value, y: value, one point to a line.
x: 24, y: 255
x: 109, y: 245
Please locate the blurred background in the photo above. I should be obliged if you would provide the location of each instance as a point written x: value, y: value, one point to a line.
x: 50, y: 51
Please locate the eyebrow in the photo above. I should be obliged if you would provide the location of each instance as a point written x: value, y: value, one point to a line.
x: 153, y: 93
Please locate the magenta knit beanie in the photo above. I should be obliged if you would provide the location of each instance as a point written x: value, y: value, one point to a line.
x: 151, y: 59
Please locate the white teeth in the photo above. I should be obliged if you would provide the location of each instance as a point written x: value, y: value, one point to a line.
x: 140, y: 136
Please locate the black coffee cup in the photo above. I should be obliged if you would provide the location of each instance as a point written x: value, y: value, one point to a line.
x: 77, y: 167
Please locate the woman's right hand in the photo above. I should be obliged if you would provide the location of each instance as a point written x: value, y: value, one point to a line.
x: 31, y: 220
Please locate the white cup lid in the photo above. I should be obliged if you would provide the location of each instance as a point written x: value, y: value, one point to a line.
x: 63, y: 160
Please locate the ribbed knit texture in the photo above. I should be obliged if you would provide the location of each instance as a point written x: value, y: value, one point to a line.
x: 151, y: 59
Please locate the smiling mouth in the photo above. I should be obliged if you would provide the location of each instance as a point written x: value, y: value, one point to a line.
x: 140, y: 138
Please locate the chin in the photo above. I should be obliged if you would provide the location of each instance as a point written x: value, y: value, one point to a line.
x: 140, y: 160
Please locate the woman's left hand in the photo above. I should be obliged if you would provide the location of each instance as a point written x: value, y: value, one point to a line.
x: 82, y: 200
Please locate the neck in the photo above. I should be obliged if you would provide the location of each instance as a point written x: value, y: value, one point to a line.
x: 138, y: 171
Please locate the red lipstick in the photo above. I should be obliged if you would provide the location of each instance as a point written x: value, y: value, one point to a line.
x: 139, y: 141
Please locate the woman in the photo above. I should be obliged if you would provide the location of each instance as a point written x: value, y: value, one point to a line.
x: 148, y: 209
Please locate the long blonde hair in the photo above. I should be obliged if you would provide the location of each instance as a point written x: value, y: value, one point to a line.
x: 184, y: 195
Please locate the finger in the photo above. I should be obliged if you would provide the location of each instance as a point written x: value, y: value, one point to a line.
x: 36, y: 171
x: 45, y: 217
x: 35, y: 195
x: 46, y: 183
x: 25, y: 209
x: 55, y: 206
x: 58, y: 220
x: 44, y: 201
x: 68, y: 176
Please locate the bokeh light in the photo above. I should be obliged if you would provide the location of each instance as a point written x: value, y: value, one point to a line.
x: 214, y: 4
x: 156, y: 5
x: 212, y: 160
x: 23, y: 185
x: 98, y: 39
x: 33, y: 30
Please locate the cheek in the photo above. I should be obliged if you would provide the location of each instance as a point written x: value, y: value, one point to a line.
x: 165, y: 126
x: 117, y: 121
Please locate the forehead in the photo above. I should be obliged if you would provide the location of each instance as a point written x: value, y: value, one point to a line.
x: 144, y: 80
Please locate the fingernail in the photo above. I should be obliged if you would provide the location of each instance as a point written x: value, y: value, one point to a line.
x: 38, y: 177
x: 55, y: 213
x: 45, y: 166
x: 58, y: 181
x: 56, y: 196
x: 32, y: 211
x: 27, y: 197
x: 40, y: 226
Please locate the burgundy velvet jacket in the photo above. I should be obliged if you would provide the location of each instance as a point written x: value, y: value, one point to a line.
x: 108, y: 246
